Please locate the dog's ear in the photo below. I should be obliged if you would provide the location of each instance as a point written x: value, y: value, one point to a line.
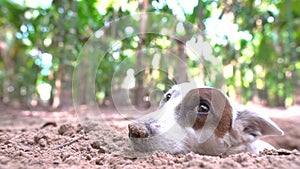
x: 257, y: 125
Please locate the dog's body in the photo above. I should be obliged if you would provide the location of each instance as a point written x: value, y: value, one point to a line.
x: 201, y: 120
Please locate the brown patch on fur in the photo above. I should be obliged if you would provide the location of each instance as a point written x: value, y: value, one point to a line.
x: 220, y: 110
x: 225, y: 123
x: 199, y: 123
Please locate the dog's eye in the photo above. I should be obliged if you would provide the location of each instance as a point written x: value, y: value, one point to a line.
x: 203, y: 108
x: 168, y: 96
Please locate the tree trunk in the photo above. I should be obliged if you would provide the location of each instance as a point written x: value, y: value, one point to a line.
x: 59, y: 42
x: 297, y: 88
x: 291, y: 47
x: 57, y: 85
x: 139, y: 95
x: 5, y: 82
x: 200, y: 14
x: 9, y: 83
x: 182, y: 73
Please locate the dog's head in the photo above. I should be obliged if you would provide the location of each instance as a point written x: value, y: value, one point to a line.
x: 198, y: 119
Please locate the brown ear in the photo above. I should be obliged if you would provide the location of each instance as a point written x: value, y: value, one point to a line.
x: 257, y: 124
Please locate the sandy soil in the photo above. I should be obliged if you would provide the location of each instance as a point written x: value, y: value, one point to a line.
x: 37, y: 139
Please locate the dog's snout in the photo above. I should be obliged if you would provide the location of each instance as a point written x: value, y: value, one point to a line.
x: 138, y: 130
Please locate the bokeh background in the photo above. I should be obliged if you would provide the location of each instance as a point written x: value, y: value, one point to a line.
x: 257, y: 42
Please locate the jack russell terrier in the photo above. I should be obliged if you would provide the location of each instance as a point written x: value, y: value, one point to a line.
x: 202, y: 120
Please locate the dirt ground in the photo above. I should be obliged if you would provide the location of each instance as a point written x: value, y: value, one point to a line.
x: 39, y: 139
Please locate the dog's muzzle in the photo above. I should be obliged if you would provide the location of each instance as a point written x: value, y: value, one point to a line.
x: 138, y: 130
x: 142, y: 129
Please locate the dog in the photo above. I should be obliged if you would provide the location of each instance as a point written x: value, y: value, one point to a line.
x: 201, y: 120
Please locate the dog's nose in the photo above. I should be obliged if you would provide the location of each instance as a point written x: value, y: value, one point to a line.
x: 138, y: 130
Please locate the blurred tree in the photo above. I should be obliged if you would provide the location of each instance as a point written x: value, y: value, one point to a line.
x: 11, y: 52
x: 65, y: 43
x: 140, y: 93
x: 258, y: 43
x: 263, y: 64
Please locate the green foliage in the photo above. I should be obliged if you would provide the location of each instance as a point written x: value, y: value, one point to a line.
x: 262, y: 66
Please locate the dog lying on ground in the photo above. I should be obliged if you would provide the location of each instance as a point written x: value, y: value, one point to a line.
x: 202, y: 120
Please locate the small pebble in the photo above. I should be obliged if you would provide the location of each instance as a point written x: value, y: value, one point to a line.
x: 171, y: 162
x: 39, y: 136
x: 66, y: 130
x: 18, y: 153
x: 56, y: 163
x: 156, y: 162
x: 42, y: 142
x: 163, y: 161
x: 65, y: 156
x: 98, y: 161
x: 25, y: 148
x: 71, y: 160
x: 88, y: 157
x: 96, y: 145
x: 188, y: 157
x: 101, y: 150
